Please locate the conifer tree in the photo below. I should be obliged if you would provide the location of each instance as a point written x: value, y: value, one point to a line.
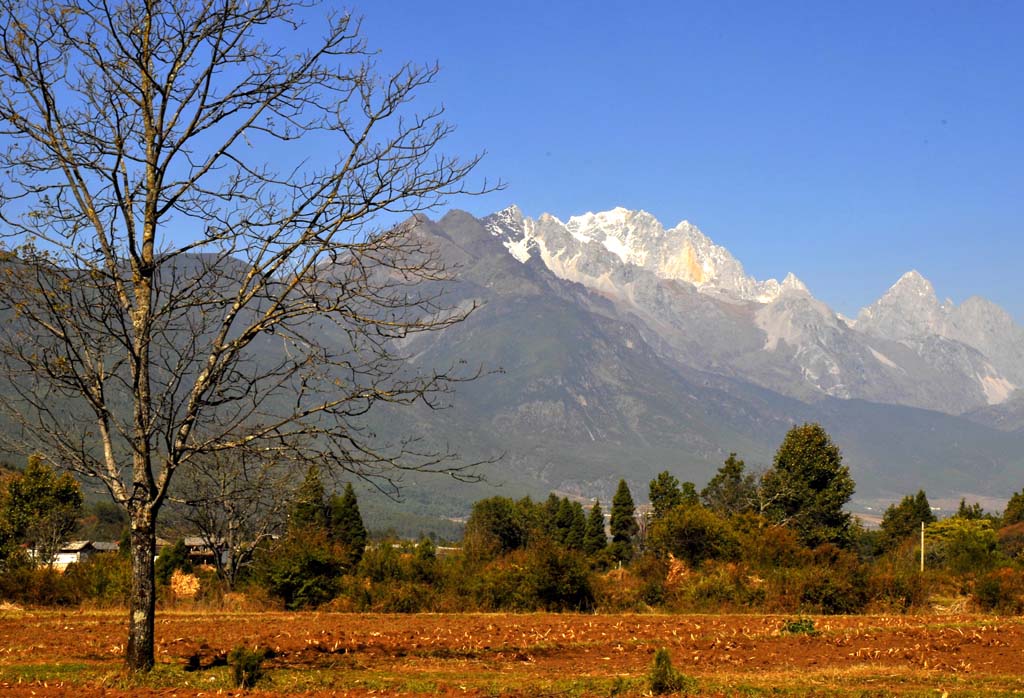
x: 576, y: 532
x: 903, y: 519
x: 309, y: 503
x: 1014, y: 512
x: 549, y: 512
x: 347, y: 525
x: 731, y: 490
x: 624, y: 527
x: 664, y: 494
x: 595, y: 539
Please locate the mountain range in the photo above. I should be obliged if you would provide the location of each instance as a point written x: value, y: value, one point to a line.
x: 627, y: 348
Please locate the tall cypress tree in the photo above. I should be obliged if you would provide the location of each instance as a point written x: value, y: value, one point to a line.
x: 577, y: 531
x: 347, y: 525
x: 624, y: 527
x: 595, y: 540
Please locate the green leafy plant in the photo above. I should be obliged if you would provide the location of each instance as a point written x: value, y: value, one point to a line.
x: 799, y: 626
x: 247, y: 665
x: 663, y: 677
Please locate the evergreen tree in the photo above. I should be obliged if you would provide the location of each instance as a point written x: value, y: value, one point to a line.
x: 309, y: 504
x: 1014, y: 509
x: 171, y: 558
x: 576, y: 533
x: 688, y: 494
x: 624, y: 527
x: 549, y: 512
x: 904, y: 519
x: 496, y: 526
x: 664, y: 494
x: 731, y: 490
x: 595, y: 539
x: 41, y: 509
x: 808, y: 486
x: 971, y: 512
x: 347, y: 525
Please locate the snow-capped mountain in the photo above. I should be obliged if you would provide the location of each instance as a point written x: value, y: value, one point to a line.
x: 627, y: 348
x: 589, y: 246
x: 906, y: 348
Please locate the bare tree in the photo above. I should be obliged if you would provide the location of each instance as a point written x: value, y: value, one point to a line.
x: 236, y: 500
x: 167, y: 293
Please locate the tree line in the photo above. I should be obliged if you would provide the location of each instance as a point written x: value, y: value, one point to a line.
x: 780, y: 541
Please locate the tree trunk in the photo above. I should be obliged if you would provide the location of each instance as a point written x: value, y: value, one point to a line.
x: 142, y: 604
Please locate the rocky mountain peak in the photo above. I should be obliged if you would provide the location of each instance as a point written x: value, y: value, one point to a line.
x: 912, y: 284
x: 907, y: 310
x: 588, y: 247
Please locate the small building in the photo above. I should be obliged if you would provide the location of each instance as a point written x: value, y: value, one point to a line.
x: 81, y: 550
x: 201, y: 553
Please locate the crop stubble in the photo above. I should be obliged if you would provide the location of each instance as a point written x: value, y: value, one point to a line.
x: 49, y: 653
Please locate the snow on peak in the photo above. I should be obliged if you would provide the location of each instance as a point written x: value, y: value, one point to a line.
x: 913, y: 283
x: 792, y: 284
x: 590, y: 245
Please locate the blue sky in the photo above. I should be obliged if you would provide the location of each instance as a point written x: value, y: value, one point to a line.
x: 845, y: 142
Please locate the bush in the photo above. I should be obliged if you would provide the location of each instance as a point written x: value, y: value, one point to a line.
x: 725, y: 586
x: 1001, y: 591
x: 895, y: 583
x: 1011, y: 541
x: 104, y: 579
x: 799, y: 626
x: 836, y: 583
x: 26, y: 584
x: 246, y: 665
x: 770, y: 547
x: 962, y: 546
x: 693, y: 534
x: 302, y: 569
x: 663, y: 677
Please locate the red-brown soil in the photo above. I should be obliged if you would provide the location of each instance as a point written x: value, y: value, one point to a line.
x: 79, y: 653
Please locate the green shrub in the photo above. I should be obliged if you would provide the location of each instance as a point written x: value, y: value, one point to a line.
x: 663, y: 677
x: 1001, y: 591
x: 103, y: 580
x: 171, y: 558
x: 836, y: 582
x: 799, y: 626
x: 246, y: 665
x: 895, y: 583
x: 302, y: 569
x: 724, y: 586
x: 693, y: 534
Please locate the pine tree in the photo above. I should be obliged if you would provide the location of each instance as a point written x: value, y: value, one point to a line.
x: 595, y: 539
x: 347, y: 525
x: 624, y: 527
x: 549, y: 512
x: 309, y: 504
x: 903, y: 519
x: 664, y: 494
x: 730, y: 491
x: 1014, y: 512
x: 576, y: 534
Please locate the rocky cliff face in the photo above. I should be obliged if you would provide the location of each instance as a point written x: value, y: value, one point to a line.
x: 694, y: 296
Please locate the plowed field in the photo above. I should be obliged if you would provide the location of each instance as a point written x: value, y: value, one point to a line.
x: 48, y: 653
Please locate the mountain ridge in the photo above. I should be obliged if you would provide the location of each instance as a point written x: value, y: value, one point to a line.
x: 974, y: 352
x: 618, y: 372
